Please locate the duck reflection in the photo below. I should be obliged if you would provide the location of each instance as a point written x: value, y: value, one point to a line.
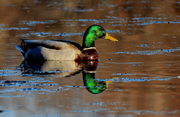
x: 63, y: 68
x: 67, y: 69
x: 92, y: 85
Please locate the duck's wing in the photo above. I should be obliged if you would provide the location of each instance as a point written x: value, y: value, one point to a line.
x: 50, y: 44
x: 70, y: 42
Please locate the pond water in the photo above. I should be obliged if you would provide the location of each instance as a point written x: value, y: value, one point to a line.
x: 137, y: 76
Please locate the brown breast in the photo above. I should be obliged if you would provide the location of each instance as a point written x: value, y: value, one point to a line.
x: 90, y: 54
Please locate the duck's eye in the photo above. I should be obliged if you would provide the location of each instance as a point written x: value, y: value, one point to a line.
x: 95, y: 32
x: 102, y: 34
x: 99, y: 33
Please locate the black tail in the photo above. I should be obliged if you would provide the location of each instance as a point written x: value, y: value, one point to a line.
x: 19, y: 48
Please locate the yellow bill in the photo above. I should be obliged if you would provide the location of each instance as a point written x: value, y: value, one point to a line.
x: 108, y: 82
x: 110, y: 37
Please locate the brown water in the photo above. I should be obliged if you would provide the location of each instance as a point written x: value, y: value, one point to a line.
x: 138, y: 76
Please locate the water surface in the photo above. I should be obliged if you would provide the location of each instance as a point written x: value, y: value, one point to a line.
x: 137, y: 76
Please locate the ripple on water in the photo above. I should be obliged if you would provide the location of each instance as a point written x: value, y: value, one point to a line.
x: 83, y: 10
x: 33, y: 23
x: 121, y: 74
x: 14, y: 28
x: 12, y: 88
x: 9, y: 73
x: 141, y: 112
x: 143, y: 45
x: 85, y: 20
x: 95, y: 110
x: 46, y: 34
x: 118, y: 21
x: 7, y: 27
x: 150, y: 52
x: 141, y: 79
x: 103, y: 104
x: 158, y: 22
x: 9, y: 83
x: 1, y: 111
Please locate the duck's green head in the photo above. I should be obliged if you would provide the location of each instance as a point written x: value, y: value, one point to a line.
x: 93, y: 33
x: 92, y: 85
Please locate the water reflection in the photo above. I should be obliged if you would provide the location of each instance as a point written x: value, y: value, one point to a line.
x: 92, y: 85
x: 63, y: 68
x: 66, y: 69
x: 144, y: 64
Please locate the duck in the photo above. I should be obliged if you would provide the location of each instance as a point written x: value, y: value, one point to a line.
x: 53, y: 50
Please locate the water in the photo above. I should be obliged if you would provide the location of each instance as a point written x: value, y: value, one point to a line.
x: 137, y: 76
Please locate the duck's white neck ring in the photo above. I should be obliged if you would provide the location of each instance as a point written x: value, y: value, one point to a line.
x: 89, y: 48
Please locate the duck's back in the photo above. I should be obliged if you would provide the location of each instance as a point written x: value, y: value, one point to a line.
x: 50, y: 50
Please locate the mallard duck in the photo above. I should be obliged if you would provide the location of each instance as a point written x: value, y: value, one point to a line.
x: 64, y: 50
